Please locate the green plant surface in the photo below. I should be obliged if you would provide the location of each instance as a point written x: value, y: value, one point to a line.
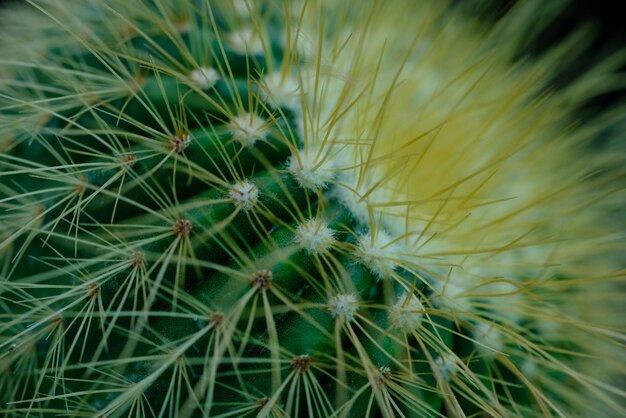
x: 312, y: 208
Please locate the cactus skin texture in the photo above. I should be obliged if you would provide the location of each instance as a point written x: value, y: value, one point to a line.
x: 304, y: 209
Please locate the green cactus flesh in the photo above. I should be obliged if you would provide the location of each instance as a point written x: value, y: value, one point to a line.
x: 169, y: 249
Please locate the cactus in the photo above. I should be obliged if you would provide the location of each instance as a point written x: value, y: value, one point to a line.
x: 304, y: 208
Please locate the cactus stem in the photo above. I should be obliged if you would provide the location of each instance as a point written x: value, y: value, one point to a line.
x: 291, y: 208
